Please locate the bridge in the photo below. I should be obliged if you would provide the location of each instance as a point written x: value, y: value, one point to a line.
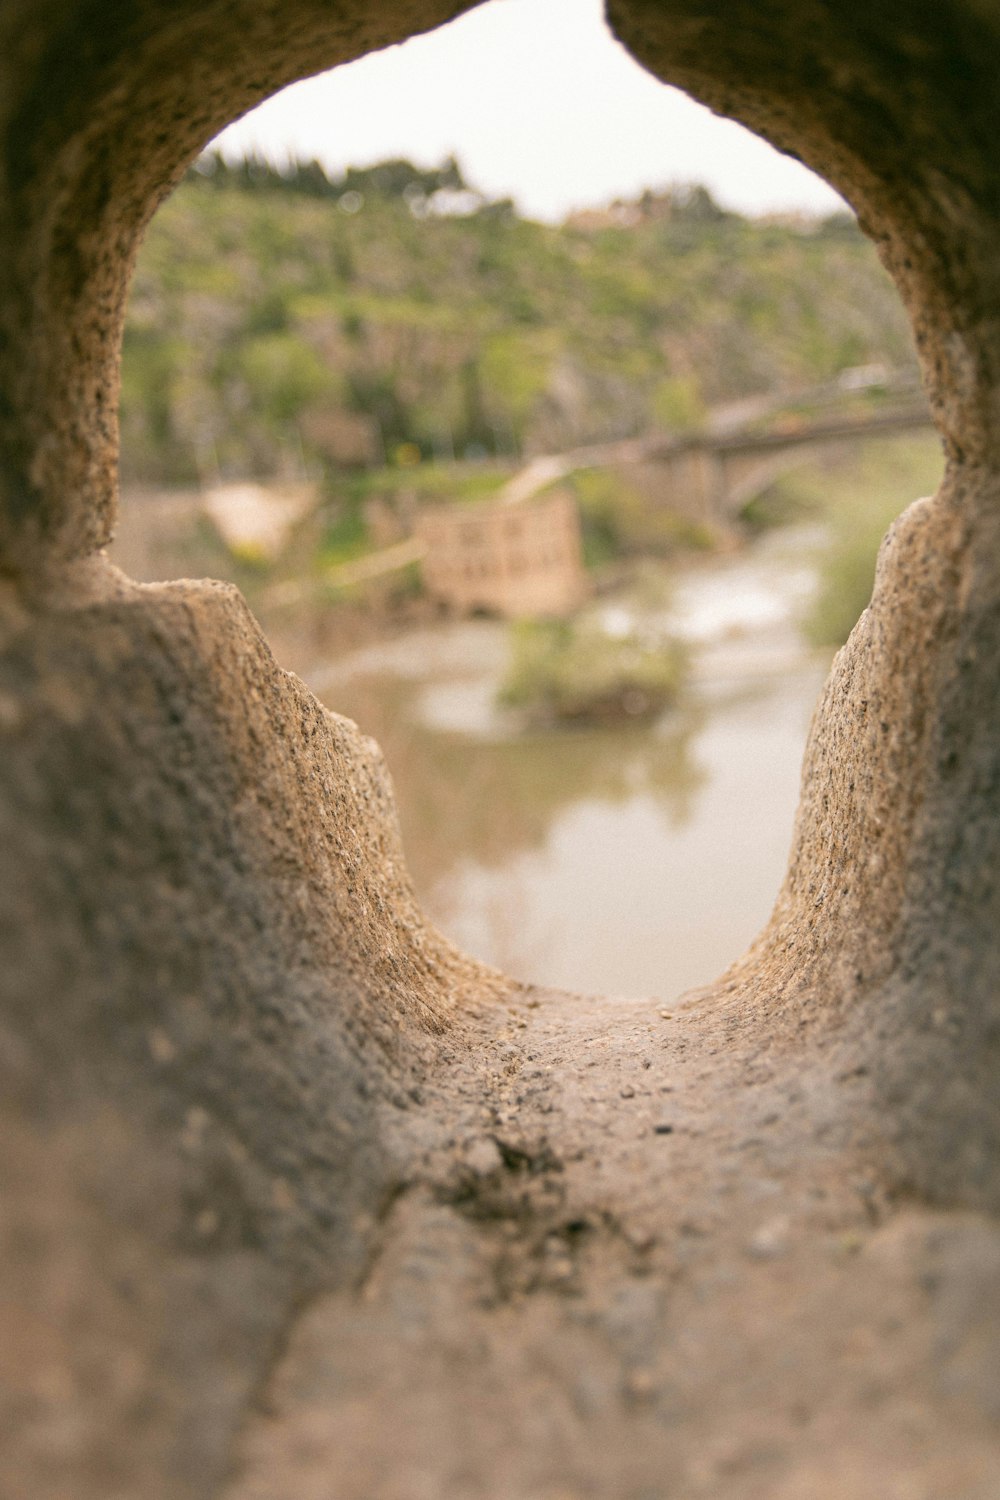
x: 713, y: 474
x: 494, y: 557
x: 719, y: 474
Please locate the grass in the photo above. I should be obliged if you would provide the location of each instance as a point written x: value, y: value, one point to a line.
x: 617, y: 521
x: 345, y: 538
x: 857, y: 497
x: 434, y: 482
x: 860, y: 503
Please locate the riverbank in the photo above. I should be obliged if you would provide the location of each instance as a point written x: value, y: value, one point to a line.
x: 525, y: 843
x: 593, y: 858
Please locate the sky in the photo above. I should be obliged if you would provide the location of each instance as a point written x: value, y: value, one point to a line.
x: 486, y: 89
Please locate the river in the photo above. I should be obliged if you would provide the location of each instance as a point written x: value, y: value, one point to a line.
x: 634, y: 860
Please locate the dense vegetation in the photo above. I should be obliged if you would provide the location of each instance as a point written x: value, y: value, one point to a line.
x: 284, y: 322
x: 573, y: 671
x: 859, y: 499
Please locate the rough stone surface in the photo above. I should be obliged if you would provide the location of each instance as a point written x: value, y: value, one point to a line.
x: 733, y: 1306
x: 296, y: 1200
x: 217, y: 992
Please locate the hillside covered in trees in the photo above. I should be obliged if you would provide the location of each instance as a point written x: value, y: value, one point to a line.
x: 283, y: 322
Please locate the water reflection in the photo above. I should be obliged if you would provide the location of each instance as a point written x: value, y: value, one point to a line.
x: 631, y: 860
x: 495, y: 796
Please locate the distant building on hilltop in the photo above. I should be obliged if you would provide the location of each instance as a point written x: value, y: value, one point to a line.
x: 513, y: 559
x: 617, y: 215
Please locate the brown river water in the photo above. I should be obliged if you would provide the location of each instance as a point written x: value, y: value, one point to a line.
x: 635, y: 860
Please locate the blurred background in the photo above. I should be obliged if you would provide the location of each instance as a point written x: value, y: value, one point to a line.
x: 550, y: 425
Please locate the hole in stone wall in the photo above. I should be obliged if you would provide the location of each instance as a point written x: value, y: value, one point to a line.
x: 723, y: 389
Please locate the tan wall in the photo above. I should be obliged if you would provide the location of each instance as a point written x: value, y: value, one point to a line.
x: 519, y: 559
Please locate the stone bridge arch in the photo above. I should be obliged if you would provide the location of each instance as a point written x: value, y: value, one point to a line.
x: 745, y: 469
x: 231, y: 1044
x: 712, y: 476
x: 746, y: 478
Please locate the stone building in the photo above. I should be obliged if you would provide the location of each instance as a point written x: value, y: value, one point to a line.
x: 522, y: 558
